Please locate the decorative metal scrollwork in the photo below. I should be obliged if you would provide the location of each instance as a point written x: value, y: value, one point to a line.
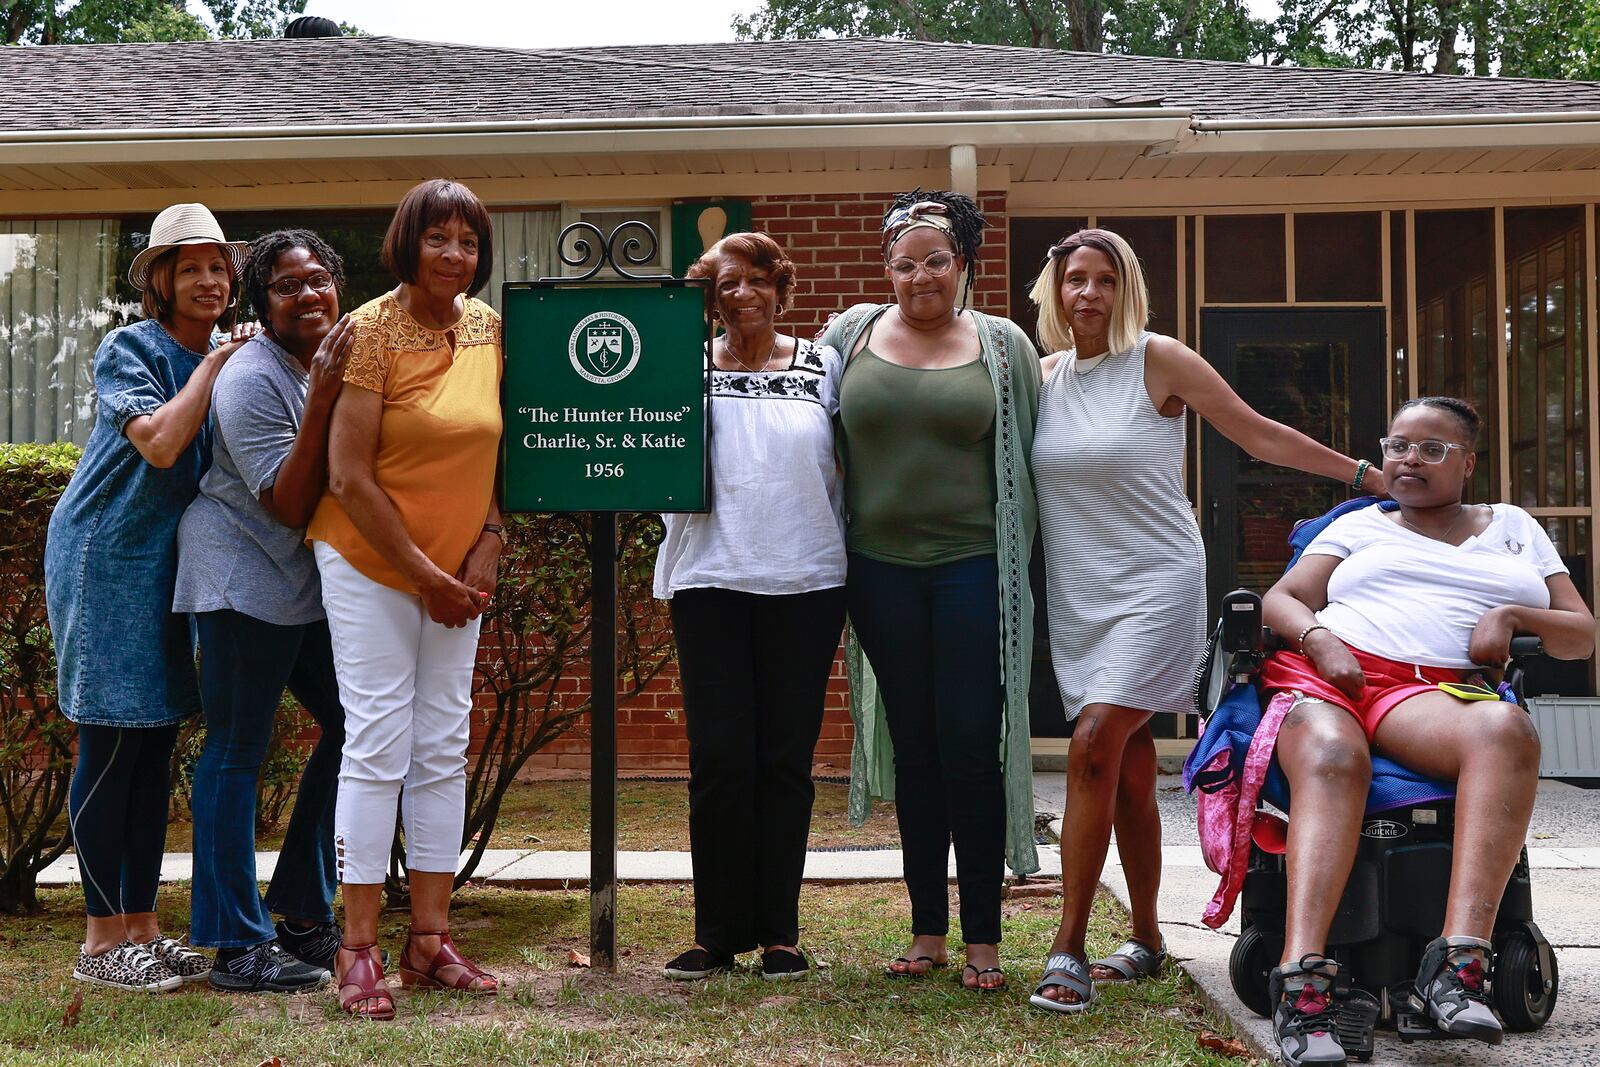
x: 632, y: 244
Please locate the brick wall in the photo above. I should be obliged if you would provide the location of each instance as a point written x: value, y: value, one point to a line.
x: 833, y: 240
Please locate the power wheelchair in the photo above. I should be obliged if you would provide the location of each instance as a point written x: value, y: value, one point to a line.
x: 1394, y: 901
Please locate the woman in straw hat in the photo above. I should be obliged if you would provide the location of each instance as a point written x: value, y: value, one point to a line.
x: 125, y: 660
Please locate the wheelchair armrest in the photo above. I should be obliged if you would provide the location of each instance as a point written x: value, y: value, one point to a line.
x: 1526, y: 645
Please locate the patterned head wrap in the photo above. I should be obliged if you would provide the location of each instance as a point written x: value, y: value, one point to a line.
x: 924, y: 213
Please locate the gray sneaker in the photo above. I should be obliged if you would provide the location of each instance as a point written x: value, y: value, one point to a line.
x: 1303, y: 1019
x: 1450, y: 982
x: 128, y: 966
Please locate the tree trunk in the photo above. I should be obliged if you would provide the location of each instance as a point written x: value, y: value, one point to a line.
x: 914, y: 17
x: 1086, y: 25
x: 1449, y: 25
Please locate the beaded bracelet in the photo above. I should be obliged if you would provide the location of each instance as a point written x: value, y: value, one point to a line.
x: 1301, y: 640
x: 1362, y: 466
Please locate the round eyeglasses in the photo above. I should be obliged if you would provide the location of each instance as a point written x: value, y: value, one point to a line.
x: 289, y: 288
x: 937, y: 265
x: 1429, y: 451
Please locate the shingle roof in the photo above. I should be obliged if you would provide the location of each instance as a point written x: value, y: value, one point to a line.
x: 384, y: 80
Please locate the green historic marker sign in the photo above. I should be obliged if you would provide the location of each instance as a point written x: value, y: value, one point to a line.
x: 605, y: 396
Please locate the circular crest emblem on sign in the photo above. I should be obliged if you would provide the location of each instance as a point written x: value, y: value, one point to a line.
x: 604, y: 347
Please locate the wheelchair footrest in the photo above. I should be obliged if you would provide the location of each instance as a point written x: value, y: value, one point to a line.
x: 1357, y: 1015
x: 1411, y: 1019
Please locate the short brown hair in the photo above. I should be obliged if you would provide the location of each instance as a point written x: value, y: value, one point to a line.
x: 433, y: 202
x: 160, y: 291
x: 756, y: 249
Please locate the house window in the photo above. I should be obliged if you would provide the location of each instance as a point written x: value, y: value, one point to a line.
x: 608, y: 220
x: 1455, y: 294
x: 56, y: 302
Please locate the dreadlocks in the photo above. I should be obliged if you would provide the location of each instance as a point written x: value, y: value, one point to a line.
x: 956, y: 215
x: 263, y: 254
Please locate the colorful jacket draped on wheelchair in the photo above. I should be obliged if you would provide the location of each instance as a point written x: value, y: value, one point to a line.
x: 1233, y: 765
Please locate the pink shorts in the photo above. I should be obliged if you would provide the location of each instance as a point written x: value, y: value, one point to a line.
x: 1388, y: 683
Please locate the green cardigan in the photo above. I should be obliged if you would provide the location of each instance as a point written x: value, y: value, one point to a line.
x: 1014, y: 370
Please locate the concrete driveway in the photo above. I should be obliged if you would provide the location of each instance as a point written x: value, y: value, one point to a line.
x: 1564, y: 849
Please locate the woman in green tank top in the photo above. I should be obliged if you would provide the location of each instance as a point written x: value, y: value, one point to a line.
x: 936, y: 419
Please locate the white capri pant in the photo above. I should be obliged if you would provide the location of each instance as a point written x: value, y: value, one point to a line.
x: 406, y: 685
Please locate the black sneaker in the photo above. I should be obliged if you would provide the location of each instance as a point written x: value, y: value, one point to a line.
x: 317, y: 944
x: 781, y: 965
x: 314, y: 945
x: 264, y: 968
x: 1303, y: 1017
x: 695, y: 964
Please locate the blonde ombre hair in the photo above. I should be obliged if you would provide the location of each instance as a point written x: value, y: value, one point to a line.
x: 1129, y: 311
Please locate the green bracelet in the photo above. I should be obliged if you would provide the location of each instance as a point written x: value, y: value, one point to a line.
x: 1362, y: 466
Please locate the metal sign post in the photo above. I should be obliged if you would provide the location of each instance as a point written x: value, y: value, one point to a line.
x: 606, y: 396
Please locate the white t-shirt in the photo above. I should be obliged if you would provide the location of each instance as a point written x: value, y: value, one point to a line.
x: 775, y: 524
x: 1412, y: 599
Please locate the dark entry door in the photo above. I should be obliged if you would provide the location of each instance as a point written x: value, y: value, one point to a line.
x: 1321, y: 371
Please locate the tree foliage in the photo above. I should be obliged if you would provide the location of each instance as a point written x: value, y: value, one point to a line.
x: 114, y: 21
x: 1524, y: 38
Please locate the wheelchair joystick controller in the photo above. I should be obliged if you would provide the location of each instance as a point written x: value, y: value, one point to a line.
x: 1241, y: 636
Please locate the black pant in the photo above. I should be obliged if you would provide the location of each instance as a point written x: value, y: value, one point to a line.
x: 117, y: 806
x: 754, y: 671
x: 932, y: 635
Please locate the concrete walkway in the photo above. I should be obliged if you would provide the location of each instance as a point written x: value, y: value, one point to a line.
x: 1563, y: 849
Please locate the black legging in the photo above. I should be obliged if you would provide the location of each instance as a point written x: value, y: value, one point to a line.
x: 118, y: 810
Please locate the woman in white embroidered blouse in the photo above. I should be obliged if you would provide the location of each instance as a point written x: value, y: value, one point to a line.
x: 757, y: 593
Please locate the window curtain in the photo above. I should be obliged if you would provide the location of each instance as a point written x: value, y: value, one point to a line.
x: 56, y: 289
x: 524, y: 249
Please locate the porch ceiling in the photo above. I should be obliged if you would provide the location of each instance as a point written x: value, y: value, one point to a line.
x: 1019, y: 165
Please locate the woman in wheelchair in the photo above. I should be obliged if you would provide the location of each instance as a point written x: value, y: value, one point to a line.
x: 1388, y: 618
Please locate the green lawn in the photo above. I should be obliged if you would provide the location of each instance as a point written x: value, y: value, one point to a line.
x: 554, y: 1013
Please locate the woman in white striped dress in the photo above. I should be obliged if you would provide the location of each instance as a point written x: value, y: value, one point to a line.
x: 1125, y: 571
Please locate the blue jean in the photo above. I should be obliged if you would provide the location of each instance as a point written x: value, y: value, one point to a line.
x: 932, y: 635
x: 245, y: 665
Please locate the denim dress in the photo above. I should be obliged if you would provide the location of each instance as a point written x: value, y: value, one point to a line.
x: 123, y: 657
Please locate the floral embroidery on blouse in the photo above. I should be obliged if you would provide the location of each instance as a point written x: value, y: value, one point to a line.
x: 384, y: 328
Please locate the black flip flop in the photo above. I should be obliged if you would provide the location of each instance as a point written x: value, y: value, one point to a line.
x: 933, y: 964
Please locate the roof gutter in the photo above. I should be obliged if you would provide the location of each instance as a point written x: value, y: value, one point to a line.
x: 1391, y: 132
x: 983, y: 129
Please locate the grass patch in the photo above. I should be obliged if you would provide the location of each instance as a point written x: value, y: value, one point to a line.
x: 651, y: 816
x: 552, y: 1013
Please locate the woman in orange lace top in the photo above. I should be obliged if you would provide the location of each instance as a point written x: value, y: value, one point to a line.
x: 408, y: 539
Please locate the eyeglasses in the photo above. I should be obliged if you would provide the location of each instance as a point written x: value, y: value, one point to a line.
x: 289, y: 288
x: 1429, y: 451
x: 937, y: 265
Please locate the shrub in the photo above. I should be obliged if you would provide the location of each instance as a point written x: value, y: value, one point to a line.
x: 35, y: 740
x: 534, y: 648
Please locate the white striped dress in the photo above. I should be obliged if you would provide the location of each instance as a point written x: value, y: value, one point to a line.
x: 1124, y: 563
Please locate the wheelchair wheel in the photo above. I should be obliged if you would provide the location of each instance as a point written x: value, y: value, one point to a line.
x: 1524, y: 995
x: 1248, y: 964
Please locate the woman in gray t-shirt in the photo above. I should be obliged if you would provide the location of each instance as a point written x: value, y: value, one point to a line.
x: 245, y: 572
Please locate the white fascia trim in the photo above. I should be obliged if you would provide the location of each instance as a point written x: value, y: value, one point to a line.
x: 984, y: 129
x: 1392, y: 132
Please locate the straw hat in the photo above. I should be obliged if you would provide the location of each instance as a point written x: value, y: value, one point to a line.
x: 183, y: 224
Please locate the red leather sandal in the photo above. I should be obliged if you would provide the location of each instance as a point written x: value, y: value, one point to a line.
x: 365, y: 982
x: 428, y: 976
